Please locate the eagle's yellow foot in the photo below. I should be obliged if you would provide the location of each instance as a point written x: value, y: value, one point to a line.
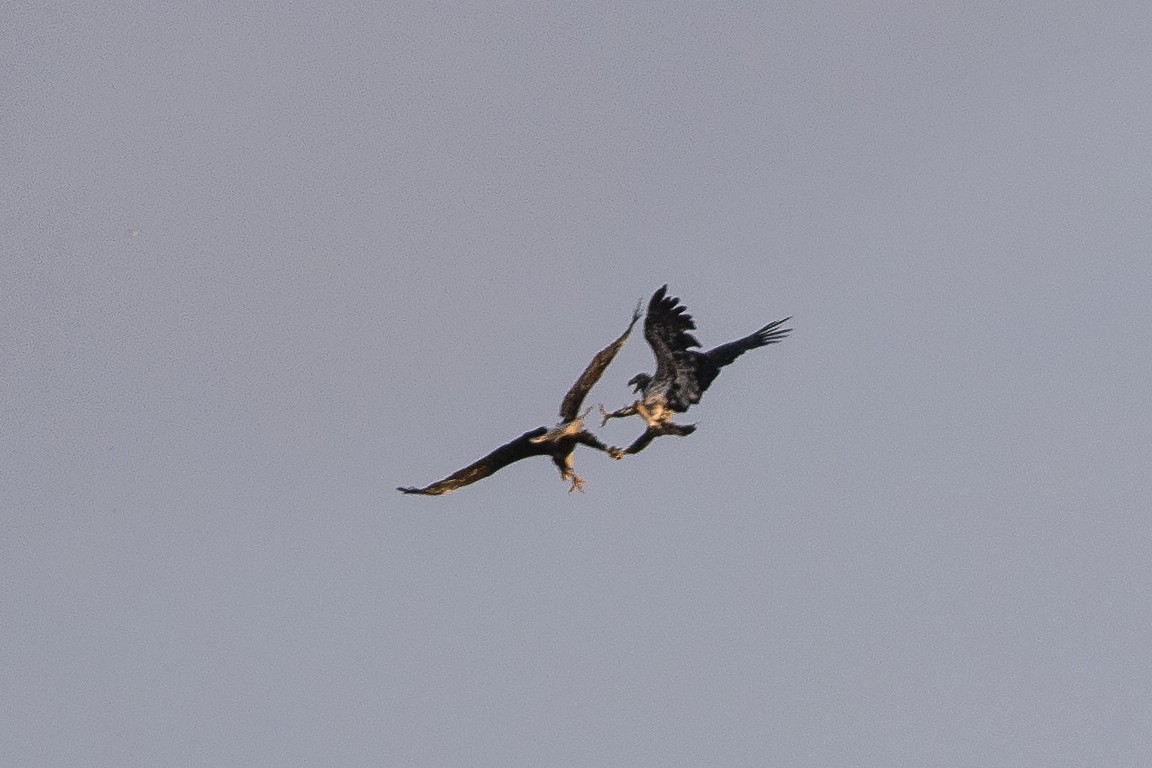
x: 620, y: 414
x: 604, y: 414
x: 616, y: 453
x: 577, y: 484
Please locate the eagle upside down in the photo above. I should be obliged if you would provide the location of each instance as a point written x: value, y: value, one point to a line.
x: 559, y: 443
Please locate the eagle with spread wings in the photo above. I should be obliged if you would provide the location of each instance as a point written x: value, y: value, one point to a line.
x: 682, y: 373
x: 559, y: 443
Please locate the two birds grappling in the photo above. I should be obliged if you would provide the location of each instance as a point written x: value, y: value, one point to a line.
x: 682, y: 375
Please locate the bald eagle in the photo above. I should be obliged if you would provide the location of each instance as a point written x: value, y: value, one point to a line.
x: 559, y: 442
x: 682, y: 373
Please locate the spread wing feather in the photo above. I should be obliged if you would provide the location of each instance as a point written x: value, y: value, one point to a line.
x: 683, y: 373
x: 520, y: 448
x: 668, y: 323
x: 666, y: 329
x: 769, y: 334
x: 708, y: 364
x: 570, y: 408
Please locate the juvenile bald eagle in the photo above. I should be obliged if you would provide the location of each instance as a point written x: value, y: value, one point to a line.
x: 559, y: 442
x: 682, y: 373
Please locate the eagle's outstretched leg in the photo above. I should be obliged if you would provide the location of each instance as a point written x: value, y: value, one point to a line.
x: 627, y: 411
x: 590, y: 440
x: 680, y: 430
x: 650, y: 434
x: 565, y: 465
x: 642, y: 442
x: 566, y: 473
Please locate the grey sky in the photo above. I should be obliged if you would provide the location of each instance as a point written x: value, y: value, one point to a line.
x: 264, y: 264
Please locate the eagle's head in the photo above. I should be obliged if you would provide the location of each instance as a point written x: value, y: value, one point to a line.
x: 639, y: 382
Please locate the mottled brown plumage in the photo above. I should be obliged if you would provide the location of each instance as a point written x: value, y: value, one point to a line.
x: 682, y: 373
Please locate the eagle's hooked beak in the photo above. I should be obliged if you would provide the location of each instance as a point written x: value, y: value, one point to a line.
x: 639, y: 382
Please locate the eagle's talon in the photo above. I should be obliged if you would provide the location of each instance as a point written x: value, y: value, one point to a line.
x: 604, y: 414
x: 577, y: 484
x: 616, y: 453
x: 682, y: 373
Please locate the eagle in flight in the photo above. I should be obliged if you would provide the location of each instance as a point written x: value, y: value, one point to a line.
x: 682, y: 373
x: 559, y: 443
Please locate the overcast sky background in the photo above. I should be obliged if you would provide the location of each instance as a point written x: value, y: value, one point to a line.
x: 263, y: 263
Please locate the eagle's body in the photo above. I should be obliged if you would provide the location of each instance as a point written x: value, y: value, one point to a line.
x: 682, y: 373
x: 559, y: 443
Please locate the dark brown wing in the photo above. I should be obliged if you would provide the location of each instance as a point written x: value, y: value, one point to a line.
x: 667, y: 324
x: 667, y: 329
x: 520, y: 448
x: 769, y: 334
x: 570, y: 408
x: 709, y: 363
